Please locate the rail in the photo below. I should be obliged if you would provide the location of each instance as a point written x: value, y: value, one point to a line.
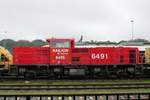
x: 74, y: 87
x: 120, y: 96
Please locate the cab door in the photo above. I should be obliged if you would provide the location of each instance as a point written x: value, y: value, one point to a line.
x: 60, y: 56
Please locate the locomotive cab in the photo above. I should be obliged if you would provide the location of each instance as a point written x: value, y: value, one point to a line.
x: 60, y: 51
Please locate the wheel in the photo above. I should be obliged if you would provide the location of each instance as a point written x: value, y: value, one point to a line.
x: 30, y: 75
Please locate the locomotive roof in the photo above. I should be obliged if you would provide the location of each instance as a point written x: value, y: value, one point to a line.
x: 59, y: 39
x: 141, y: 48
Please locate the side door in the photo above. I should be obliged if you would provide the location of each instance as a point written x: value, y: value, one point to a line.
x: 60, y: 56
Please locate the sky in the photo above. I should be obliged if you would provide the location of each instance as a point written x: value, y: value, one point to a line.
x: 94, y: 19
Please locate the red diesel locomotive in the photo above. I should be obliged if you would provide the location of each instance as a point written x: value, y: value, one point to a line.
x: 62, y: 60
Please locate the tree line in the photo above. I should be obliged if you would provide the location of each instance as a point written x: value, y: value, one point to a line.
x: 9, y: 43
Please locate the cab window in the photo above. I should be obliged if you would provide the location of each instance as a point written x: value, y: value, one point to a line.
x: 60, y: 44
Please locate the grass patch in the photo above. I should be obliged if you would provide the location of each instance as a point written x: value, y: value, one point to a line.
x: 21, y: 92
x: 75, y: 82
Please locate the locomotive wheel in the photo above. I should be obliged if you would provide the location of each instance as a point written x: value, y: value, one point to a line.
x: 30, y: 75
x: 123, y: 73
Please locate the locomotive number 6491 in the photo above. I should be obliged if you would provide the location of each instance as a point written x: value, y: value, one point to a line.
x: 99, y: 56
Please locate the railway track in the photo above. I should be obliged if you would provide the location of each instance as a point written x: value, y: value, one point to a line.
x: 74, y: 87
